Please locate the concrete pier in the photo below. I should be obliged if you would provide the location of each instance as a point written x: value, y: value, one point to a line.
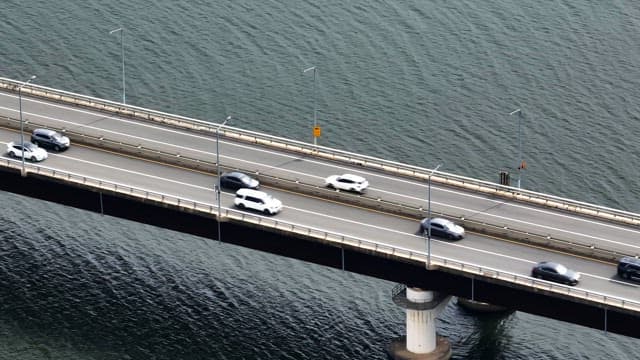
x: 421, y: 341
x: 481, y: 307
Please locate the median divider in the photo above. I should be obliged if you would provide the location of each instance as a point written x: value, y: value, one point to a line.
x: 364, y: 161
x: 364, y: 201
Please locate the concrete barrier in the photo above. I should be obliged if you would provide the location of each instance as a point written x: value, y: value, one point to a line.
x: 364, y: 201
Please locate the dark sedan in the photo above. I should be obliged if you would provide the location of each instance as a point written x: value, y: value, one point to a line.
x: 237, y: 180
x: 442, y: 228
x: 551, y: 271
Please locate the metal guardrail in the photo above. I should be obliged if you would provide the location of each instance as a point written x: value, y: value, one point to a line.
x: 588, y: 249
x: 324, y: 235
x: 364, y: 161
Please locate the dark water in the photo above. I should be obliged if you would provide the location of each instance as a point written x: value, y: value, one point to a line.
x: 421, y: 82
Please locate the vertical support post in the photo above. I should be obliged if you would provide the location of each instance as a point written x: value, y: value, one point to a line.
x: 315, y: 110
x: 219, y: 219
x: 124, y: 91
x: 23, y: 171
x: 429, y: 216
x: 520, y: 160
x: 473, y: 289
x: 101, y: 205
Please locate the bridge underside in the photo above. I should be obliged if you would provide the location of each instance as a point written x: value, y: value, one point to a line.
x: 413, y: 274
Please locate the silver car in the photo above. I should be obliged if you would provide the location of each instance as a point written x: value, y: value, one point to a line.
x: 442, y: 228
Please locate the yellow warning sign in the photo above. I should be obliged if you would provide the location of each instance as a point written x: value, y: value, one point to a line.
x: 316, y: 131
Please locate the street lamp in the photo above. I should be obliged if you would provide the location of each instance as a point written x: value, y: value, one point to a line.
x: 218, y: 170
x: 429, y: 217
x: 21, y: 121
x: 521, y: 161
x: 315, y: 111
x: 121, y: 29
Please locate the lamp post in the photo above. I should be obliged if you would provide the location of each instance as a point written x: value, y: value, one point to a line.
x: 218, y: 171
x: 520, y: 160
x: 21, y: 121
x: 315, y: 111
x: 429, y: 217
x: 121, y: 29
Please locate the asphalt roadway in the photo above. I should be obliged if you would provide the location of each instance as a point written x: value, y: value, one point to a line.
x: 335, y: 217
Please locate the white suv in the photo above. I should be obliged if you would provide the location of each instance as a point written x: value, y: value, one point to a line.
x: 257, y: 200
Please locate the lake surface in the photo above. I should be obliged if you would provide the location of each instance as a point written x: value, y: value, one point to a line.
x: 415, y: 81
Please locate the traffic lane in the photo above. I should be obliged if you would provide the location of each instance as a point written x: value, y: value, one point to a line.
x: 338, y: 223
x: 263, y: 168
x: 595, y: 276
x: 538, y: 220
x: 194, y: 145
x: 243, y: 156
x: 529, y: 225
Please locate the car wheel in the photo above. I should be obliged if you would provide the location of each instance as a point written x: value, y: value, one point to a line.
x: 625, y: 276
x: 35, y: 142
x: 330, y: 186
x: 12, y: 154
x: 33, y: 158
x: 266, y: 212
x: 56, y: 148
x: 241, y: 206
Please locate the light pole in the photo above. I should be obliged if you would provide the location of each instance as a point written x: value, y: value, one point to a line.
x: 315, y: 111
x: 21, y: 121
x: 429, y: 217
x: 520, y: 160
x: 121, y: 29
x: 218, y: 170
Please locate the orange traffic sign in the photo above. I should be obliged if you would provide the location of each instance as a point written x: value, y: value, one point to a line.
x: 316, y: 131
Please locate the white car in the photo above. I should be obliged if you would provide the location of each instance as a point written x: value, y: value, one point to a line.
x: 31, y: 151
x: 348, y: 182
x: 257, y: 200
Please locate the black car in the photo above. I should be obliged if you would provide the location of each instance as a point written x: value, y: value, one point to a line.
x: 629, y: 268
x: 237, y: 180
x: 552, y: 271
x: 50, y: 139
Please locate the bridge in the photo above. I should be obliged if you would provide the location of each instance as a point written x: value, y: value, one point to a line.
x: 160, y: 169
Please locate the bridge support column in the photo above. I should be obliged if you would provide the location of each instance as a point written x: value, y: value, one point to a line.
x: 481, y: 307
x: 421, y: 341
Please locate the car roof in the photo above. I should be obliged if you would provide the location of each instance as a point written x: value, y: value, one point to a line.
x: 441, y: 221
x: 630, y: 260
x: 550, y: 264
x: 44, y: 131
x: 236, y: 174
x: 26, y: 143
x: 251, y: 192
x: 352, y: 177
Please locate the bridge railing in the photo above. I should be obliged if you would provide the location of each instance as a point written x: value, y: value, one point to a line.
x: 582, y: 247
x: 319, y: 234
x: 363, y: 161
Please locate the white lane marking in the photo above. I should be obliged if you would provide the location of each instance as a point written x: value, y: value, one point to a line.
x: 470, y: 210
x: 353, y: 222
x: 534, y: 209
x: 514, y: 220
x: 133, y: 172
